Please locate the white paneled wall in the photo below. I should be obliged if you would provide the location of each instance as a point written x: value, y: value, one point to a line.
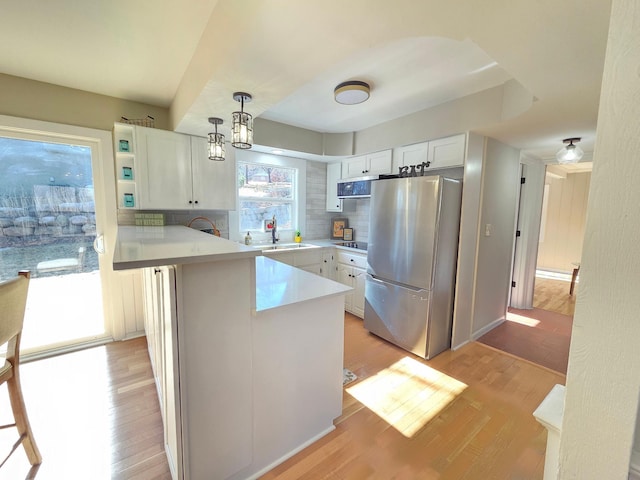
x: 566, y: 212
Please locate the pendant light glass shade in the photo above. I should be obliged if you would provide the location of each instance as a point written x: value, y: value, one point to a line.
x: 571, y: 153
x: 242, y: 124
x: 216, y: 142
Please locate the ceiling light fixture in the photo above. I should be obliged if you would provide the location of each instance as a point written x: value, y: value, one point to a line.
x: 351, y: 92
x: 242, y: 123
x: 571, y: 153
x: 216, y: 141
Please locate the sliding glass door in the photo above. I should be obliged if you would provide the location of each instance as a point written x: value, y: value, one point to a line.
x: 48, y: 225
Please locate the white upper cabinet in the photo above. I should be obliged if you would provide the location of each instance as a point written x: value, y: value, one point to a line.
x: 334, y: 171
x: 414, y: 154
x: 213, y: 182
x: 164, y: 180
x: 447, y: 152
x: 441, y: 153
x: 365, y: 165
x: 175, y: 173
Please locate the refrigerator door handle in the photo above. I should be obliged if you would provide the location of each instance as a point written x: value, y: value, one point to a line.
x: 380, y: 281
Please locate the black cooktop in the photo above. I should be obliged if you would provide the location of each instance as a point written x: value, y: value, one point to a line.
x: 356, y: 245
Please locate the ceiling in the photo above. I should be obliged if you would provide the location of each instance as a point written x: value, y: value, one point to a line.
x: 191, y: 55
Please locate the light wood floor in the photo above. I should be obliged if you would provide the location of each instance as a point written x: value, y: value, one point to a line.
x: 94, y: 413
x: 464, y: 415
x: 486, y: 431
x: 553, y: 295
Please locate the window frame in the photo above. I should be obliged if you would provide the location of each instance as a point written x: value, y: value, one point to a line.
x: 298, y: 203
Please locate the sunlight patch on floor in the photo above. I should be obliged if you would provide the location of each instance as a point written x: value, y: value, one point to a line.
x: 407, y: 395
x: 529, y: 322
x: 62, y: 308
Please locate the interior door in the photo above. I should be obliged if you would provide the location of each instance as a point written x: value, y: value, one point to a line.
x: 52, y: 207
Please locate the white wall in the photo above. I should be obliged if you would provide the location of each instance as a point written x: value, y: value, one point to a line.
x: 603, y: 378
x: 468, y: 242
x: 500, y: 186
x: 564, y: 223
x: 21, y: 97
x: 490, y: 193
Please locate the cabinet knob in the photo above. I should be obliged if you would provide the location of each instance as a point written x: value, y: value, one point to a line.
x: 190, y: 202
x: 337, y: 206
x: 196, y: 202
x: 351, y: 260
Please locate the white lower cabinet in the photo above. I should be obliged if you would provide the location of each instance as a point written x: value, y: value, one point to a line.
x: 328, y: 267
x: 309, y: 260
x: 160, y: 327
x: 351, y: 271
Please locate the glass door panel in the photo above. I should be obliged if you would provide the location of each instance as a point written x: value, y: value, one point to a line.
x: 48, y: 226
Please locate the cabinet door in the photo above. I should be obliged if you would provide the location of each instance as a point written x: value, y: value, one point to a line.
x: 357, y: 306
x: 316, y: 268
x: 327, y: 264
x: 284, y: 257
x: 379, y: 163
x: 164, y: 177
x: 412, y: 154
x: 354, y: 167
x: 334, y: 172
x: 345, y: 276
x: 304, y: 257
x: 447, y: 152
x: 214, y: 183
x: 171, y: 407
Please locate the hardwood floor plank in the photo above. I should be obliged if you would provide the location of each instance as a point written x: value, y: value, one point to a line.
x: 103, y: 422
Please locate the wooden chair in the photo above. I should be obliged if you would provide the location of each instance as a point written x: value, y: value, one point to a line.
x: 13, y: 300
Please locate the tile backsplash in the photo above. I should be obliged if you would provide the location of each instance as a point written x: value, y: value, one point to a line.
x: 219, y: 218
x: 357, y: 211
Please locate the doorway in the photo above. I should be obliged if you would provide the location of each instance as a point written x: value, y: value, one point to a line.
x: 562, y: 223
x: 48, y: 225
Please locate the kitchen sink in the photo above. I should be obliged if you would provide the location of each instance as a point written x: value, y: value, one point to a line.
x: 284, y: 246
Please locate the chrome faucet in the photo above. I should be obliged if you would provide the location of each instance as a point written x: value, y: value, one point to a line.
x: 273, y: 230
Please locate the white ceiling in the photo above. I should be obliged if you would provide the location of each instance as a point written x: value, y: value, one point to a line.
x: 191, y: 55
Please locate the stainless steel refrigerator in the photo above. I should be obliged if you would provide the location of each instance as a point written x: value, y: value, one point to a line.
x: 412, y: 255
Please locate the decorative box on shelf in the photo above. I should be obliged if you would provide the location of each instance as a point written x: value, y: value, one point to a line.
x: 149, y: 219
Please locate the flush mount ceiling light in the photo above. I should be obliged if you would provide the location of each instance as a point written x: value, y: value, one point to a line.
x: 242, y: 123
x: 351, y: 92
x: 571, y: 153
x: 216, y: 141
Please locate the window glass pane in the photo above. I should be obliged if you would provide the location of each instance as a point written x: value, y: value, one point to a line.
x: 265, y: 181
x: 253, y: 214
x: 265, y: 191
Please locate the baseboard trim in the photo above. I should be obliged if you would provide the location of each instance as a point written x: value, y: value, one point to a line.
x: 487, y: 328
x: 290, y: 454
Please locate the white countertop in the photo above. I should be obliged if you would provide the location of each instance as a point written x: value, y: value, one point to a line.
x: 278, y: 284
x: 139, y: 247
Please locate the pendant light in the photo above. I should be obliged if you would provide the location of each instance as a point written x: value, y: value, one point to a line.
x: 571, y: 153
x: 242, y: 123
x: 216, y: 141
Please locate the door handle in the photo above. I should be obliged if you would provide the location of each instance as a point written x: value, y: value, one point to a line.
x: 98, y: 244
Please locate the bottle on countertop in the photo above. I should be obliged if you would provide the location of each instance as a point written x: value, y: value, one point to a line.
x: 247, y: 239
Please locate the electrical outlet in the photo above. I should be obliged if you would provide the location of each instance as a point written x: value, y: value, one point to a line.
x: 487, y: 230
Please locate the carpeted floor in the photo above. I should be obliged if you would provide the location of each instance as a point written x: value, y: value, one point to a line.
x: 539, y: 336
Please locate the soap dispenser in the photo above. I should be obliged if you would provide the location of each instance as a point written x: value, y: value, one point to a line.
x: 247, y: 239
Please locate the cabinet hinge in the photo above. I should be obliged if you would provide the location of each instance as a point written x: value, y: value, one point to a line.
x: 513, y: 284
x: 523, y: 180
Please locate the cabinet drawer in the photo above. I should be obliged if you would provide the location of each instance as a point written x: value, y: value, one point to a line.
x: 353, y: 259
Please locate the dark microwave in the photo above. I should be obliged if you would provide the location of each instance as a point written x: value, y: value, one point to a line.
x: 354, y: 189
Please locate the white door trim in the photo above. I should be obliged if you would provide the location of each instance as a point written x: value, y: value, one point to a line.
x: 101, y: 144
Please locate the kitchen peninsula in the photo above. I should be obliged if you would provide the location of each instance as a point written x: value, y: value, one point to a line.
x: 247, y: 351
